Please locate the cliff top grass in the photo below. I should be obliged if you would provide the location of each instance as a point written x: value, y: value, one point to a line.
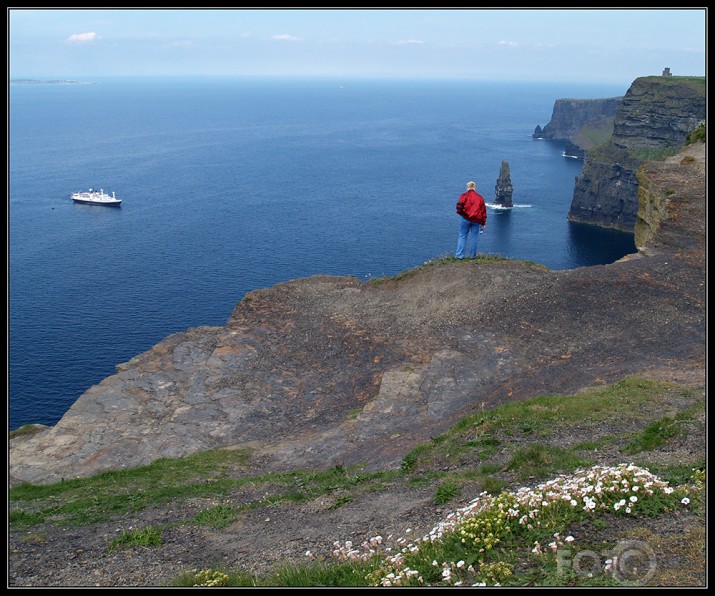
x: 675, y: 80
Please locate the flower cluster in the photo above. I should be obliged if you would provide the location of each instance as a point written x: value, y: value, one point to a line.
x: 209, y: 577
x: 600, y: 487
x: 450, y: 568
x: 496, y: 572
x: 553, y: 546
x: 404, y: 577
x: 488, y: 520
x: 367, y: 549
x: 486, y: 528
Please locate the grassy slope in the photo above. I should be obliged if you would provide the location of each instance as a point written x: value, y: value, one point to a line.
x: 650, y: 423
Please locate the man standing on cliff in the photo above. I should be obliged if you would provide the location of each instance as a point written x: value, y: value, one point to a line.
x: 473, y: 212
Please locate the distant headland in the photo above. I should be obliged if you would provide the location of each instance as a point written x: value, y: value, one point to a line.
x: 49, y: 82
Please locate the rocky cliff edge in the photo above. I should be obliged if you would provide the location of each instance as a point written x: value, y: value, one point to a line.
x: 330, y: 371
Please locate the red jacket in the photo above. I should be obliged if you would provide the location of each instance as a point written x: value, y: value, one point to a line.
x: 471, y: 207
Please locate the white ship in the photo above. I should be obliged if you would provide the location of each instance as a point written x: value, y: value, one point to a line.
x: 94, y: 197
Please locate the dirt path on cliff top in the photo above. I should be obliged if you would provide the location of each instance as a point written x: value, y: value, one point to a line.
x: 562, y: 327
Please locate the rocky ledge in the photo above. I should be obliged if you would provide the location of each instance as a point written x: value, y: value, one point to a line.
x: 331, y: 370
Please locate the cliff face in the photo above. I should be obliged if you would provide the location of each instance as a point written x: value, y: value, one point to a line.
x: 659, y: 112
x: 581, y: 123
x: 654, y: 118
x: 666, y: 192
x: 329, y: 371
x: 606, y: 194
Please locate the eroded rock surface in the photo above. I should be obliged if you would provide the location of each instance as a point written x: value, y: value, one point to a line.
x: 331, y: 370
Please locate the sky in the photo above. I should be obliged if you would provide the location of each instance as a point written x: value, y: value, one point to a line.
x: 589, y: 45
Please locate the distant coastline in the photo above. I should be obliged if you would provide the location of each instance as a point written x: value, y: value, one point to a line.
x: 49, y: 82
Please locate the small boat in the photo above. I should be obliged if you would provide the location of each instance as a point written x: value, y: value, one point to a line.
x: 94, y: 197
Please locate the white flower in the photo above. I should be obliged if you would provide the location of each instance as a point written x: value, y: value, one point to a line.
x: 589, y: 503
x: 685, y: 501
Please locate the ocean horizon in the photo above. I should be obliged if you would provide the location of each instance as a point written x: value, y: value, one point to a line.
x: 231, y: 185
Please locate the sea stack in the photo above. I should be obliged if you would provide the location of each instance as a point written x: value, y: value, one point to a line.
x: 504, y: 188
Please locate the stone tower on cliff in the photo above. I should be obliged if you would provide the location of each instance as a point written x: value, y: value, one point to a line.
x: 504, y: 188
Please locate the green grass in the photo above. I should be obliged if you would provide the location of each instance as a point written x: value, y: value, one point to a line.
x: 677, y: 473
x: 219, y: 516
x: 342, y: 500
x: 211, y: 474
x: 25, y: 519
x: 446, y: 491
x: 489, y: 450
x: 145, y: 537
x: 655, y: 153
x: 99, y: 498
x: 477, y: 437
x: 697, y: 135
x: 544, y: 460
x: 493, y: 485
x: 657, y: 433
x: 26, y: 430
x: 320, y: 574
x: 314, y: 574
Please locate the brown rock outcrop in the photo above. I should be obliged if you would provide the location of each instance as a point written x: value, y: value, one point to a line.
x: 331, y: 370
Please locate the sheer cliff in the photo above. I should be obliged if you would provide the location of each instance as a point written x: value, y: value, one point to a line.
x: 580, y: 123
x: 652, y: 121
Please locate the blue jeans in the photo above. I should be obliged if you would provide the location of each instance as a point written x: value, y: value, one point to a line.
x: 465, y: 227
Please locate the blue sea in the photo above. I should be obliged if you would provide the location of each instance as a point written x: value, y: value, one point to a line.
x: 230, y: 185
